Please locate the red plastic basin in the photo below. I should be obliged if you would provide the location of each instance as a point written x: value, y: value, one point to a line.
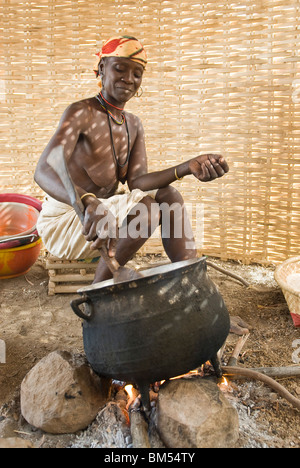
x: 19, y: 198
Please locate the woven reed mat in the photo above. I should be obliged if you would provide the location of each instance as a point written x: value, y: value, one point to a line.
x: 222, y: 77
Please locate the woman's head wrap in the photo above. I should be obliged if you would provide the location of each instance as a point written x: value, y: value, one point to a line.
x: 122, y: 46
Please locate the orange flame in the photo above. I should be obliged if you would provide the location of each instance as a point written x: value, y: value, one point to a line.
x: 225, y: 382
x: 132, y: 394
x: 224, y: 385
x: 129, y: 390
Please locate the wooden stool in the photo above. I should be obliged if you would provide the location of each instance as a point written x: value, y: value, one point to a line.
x: 67, y: 276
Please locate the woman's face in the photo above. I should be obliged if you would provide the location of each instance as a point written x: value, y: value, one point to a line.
x: 121, y: 79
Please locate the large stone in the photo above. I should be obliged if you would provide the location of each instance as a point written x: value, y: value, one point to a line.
x: 61, y: 394
x: 193, y: 413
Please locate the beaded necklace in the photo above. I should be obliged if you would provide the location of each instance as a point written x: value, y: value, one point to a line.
x: 102, y: 102
x: 107, y: 102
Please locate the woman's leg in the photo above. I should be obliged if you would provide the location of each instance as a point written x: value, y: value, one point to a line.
x: 176, y: 230
x: 169, y: 210
x: 139, y: 225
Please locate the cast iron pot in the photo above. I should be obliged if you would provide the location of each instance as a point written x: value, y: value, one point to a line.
x: 160, y: 326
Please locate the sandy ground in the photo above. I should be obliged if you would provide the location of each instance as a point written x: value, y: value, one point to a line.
x: 33, y: 324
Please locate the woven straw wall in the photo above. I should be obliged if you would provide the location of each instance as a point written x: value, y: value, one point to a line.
x: 222, y: 77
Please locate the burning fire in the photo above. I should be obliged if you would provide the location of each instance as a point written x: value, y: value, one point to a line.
x: 132, y: 394
x: 129, y: 390
x: 198, y: 371
x: 224, y: 385
x: 189, y: 374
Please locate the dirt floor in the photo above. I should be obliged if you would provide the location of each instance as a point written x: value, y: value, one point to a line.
x: 33, y: 324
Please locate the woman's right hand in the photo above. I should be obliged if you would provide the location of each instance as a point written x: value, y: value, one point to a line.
x: 208, y: 167
x: 100, y: 226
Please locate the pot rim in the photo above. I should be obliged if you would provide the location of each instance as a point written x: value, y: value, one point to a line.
x: 149, y: 273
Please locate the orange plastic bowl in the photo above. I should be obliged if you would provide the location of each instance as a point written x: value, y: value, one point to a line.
x: 18, y: 261
x: 17, y: 219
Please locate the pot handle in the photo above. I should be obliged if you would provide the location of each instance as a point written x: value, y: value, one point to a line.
x: 76, y: 309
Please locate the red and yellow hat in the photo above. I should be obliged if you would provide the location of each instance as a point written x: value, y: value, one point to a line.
x: 122, y: 46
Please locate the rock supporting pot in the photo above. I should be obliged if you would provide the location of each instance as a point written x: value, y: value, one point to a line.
x: 61, y: 394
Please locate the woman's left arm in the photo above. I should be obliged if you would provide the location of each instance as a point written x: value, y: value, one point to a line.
x: 205, y: 168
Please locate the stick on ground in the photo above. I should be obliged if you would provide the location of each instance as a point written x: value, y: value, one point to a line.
x: 250, y: 374
x: 139, y: 430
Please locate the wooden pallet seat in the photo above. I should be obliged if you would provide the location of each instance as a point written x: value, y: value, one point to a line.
x: 67, y: 276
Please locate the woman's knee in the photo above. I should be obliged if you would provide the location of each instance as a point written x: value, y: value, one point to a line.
x: 144, y: 218
x: 169, y: 195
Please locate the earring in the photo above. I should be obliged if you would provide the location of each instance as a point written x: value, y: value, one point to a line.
x: 139, y: 93
x: 100, y: 82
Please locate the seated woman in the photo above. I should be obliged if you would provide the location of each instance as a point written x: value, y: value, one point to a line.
x: 103, y: 145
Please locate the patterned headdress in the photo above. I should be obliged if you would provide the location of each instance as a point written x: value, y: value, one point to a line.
x: 122, y: 46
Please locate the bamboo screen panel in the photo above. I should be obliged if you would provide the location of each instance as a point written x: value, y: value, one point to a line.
x: 222, y: 77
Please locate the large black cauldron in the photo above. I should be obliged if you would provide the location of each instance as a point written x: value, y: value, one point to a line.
x: 162, y: 325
